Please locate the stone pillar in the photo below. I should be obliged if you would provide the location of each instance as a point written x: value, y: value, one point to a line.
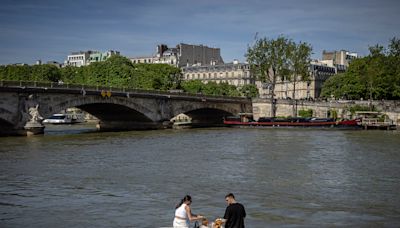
x: 31, y: 116
x: 34, y: 128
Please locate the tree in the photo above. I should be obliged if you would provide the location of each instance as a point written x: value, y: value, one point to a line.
x: 249, y: 90
x: 394, y: 71
x: 116, y: 71
x: 348, y: 85
x: 18, y: 73
x: 268, y: 59
x: 211, y: 88
x: 300, y: 58
x: 70, y: 74
x: 156, y: 76
x: 193, y: 86
x: 376, y: 76
x: 394, y: 47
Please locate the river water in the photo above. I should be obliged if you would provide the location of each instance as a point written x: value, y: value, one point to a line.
x: 71, y: 177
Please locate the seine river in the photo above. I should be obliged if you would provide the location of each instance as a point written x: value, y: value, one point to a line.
x: 71, y: 177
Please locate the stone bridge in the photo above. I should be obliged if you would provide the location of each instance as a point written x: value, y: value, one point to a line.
x: 22, y: 106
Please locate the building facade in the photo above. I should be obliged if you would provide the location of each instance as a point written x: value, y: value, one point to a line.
x: 183, y: 55
x: 309, y: 89
x: 143, y: 59
x: 101, y: 56
x: 54, y: 63
x: 239, y: 74
x: 84, y: 58
x: 235, y: 73
x: 78, y: 59
x: 189, y: 55
x: 341, y: 57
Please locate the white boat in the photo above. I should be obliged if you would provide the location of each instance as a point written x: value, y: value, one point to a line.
x: 61, y: 119
x: 181, y: 121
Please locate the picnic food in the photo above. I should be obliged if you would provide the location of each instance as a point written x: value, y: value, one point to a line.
x: 204, y: 222
x: 218, y: 223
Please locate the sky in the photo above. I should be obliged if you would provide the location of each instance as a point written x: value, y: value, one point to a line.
x: 49, y: 30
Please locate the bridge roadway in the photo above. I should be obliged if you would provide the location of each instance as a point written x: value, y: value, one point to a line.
x: 24, y: 104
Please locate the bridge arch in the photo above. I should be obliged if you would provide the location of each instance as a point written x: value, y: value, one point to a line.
x: 207, y: 117
x: 214, y: 108
x: 6, y: 116
x: 105, y: 109
x: 114, y: 112
x: 6, y: 127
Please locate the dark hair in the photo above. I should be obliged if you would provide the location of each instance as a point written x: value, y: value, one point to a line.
x: 186, y: 198
x: 230, y: 195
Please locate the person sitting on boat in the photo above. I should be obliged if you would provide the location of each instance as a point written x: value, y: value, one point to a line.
x: 183, y: 213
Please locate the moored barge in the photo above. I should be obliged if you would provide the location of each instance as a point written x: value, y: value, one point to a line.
x: 293, y: 122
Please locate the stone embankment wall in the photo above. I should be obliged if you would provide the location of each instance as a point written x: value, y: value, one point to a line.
x: 262, y: 108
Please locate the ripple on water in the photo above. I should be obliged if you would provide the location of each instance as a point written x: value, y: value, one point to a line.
x: 284, y: 177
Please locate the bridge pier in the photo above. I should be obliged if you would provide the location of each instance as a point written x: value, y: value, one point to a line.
x: 34, y: 128
x: 26, y: 131
x: 128, y: 125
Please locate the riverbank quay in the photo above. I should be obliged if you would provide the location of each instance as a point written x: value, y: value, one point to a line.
x: 326, y: 109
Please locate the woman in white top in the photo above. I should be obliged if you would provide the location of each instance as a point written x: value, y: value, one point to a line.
x: 183, y: 213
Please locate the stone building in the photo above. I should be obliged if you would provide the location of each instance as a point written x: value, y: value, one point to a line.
x: 84, y: 58
x: 183, y: 55
x: 333, y: 62
x: 234, y: 73
x: 143, y: 59
x: 341, y: 57
x: 78, y: 59
x: 309, y: 89
x: 54, y: 63
x: 101, y: 56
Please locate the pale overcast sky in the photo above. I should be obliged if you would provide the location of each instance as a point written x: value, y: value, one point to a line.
x: 50, y: 30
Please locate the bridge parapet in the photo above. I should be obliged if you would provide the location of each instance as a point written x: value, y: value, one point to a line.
x: 116, y: 91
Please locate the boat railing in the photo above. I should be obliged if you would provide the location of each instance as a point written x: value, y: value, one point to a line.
x: 375, y: 122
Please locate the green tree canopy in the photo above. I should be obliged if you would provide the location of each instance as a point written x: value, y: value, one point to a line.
x: 116, y: 71
x: 45, y: 72
x: 211, y: 88
x: 249, y: 90
x: 300, y: 58
x: 376, y: 76
x: 270, y: 59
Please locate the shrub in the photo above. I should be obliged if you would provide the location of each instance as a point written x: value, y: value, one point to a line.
x: 306, y: 113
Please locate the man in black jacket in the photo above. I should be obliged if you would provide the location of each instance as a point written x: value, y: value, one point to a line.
x: 234, y: 213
